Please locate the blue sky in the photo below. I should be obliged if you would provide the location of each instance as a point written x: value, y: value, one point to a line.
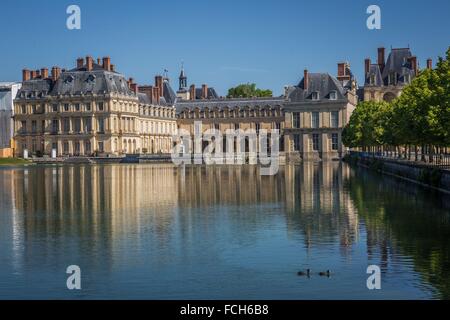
x: 222, y: 43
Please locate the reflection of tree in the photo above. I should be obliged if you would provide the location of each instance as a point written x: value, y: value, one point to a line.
x: 417, y: 223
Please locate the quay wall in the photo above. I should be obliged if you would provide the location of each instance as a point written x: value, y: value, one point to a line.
x: 432, y: 177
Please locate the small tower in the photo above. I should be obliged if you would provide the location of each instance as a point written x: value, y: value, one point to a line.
x: 182, y: 79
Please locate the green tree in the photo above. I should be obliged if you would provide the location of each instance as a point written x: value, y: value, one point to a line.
x: 248, y: 90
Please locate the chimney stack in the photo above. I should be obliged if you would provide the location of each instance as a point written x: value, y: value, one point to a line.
x: 89, y: 63
x: 148, y: 90
x: 56, y: 72
x: 429, y: 64
x: 159, y: 84
x: 342, y: 71
x: 381, y: 60
x: 305, y: 79
x: 204, y: 91
x: 80, y: 63
x: 134, y: 88
x: 192, y: 92
x: 44, y: 73
x: 107, y: 63
x: 33, y: 74
x: 112, y: 67
x: 367, y: 66
x: 130, y: 82
x: 155, y: 99
x: 26, y: 75
x: 99, y: 61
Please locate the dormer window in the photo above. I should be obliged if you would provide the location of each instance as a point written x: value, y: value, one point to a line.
x: 315, y: 95
x: 333, y: 95
x: 372, y: 79
x: 392, y: 79
x: 407, y: 78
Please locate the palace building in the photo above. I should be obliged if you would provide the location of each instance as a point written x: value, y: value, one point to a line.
x: 316, y: 111
x: 385, y: 80
x: 92, y: 110
x: 310, y: 117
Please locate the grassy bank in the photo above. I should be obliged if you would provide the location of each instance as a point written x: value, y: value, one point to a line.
x: 13, y: 162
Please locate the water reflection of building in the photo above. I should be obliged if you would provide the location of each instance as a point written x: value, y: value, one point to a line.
x: 313, y: 195
x: 96, y: 207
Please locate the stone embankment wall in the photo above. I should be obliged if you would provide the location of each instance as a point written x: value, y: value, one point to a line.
x: 432, y: 177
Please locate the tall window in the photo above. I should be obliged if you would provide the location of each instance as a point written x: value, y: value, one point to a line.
x: 23, y: 127
x: 77, y: 125
x: 296, y: 120
x: 54, y: 107
x: 334, y: 141
x: 23, y: 109
x: 100, y: 106
x: 87, y: 147
x: 258, y: 127
x: 88, y: 106
x: 100, y: 146
x: 66, y: 125
x: 55, y: 126
x: 66, y: 107
x: 334, y: 119
x: 315, y: 140
x: 66, y: 147
x: 87, y: 125
x: 297, y: 142
x: 101, y: 125
x: 77, y: 107
x: 315, y: 119
x: 33, y: 126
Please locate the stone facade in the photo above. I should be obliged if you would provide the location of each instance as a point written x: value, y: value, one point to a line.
x: 91, y: 110
x: 385, y: 80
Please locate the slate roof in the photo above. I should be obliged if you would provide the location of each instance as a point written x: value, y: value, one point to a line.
x: 317, y: 82
x: 398, y: 62
x: 79, y: 81
x: 229, y: 103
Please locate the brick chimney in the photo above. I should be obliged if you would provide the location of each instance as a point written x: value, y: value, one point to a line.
x: 305, y: 79
x: 367, y: 64
x: 130, y: 82
x: 56, y: 73
x: 342, y: 71
x: 107, y: 63
x: 156, y: 96
x: 99, y: 61
x: 134, y: 87
x: 148, y: 90
x: 26, y: 75
x: 413, y: 61
x: 159, y: 84
x: 44, y: 73
x: 429, y: 63
x: 89, y: 63
x: 381, y: 60
x: 204, y: 91
x: 192, y: 92
x: 33, y: 74
x: 80, y: 63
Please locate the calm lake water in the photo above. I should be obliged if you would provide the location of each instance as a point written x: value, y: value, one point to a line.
x: 161, y: 232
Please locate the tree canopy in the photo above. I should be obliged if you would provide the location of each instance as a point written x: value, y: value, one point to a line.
x: 248, y: 90
x: 420, y: 116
